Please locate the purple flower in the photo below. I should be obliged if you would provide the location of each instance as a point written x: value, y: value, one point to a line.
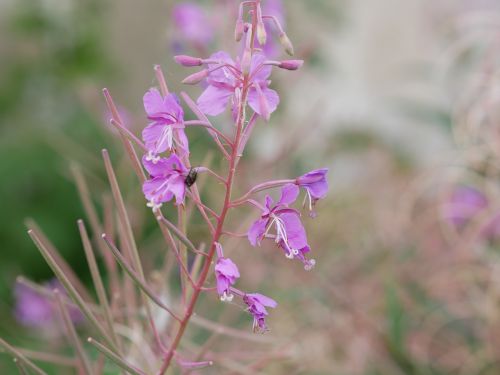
x: 226, y: 273
x: 257, y: 304
x: 465, y: 203
x: 166, y: 131
x: 225, y: 82
x: 316, y: 186
x: 32, y: 309
x: 167, y: 180
x: 193, y: 24
x: 290, y: 233
x: 273, y: 8
x: 35, y: 310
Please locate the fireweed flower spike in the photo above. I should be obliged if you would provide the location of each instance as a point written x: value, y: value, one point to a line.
x: 226, y: 273
x: 257, y: 304
x: 167, y: 180
x: 166, y: 131
x: 225, y: 80
x: 290, y: 233
x: 238, y: 84
x: 315, y: 185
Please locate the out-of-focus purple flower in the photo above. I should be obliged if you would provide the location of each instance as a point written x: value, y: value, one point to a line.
x: 32, y: 309
x: 124, y: 116
x: 257, y: 304
x: 275, y: 8
x: 35, y: 310
x: 167, y: 180
x: 226, y: 273
x: 290, y: 233
x: 192, y: 23
x: 166, y: 131
x: 465, y: 205
x: 225, y: 82
x: 315, y: 185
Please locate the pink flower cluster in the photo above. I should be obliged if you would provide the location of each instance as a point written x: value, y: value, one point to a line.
x: 233, y: 84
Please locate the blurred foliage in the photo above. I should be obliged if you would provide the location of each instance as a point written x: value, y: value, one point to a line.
x: 53, y: 48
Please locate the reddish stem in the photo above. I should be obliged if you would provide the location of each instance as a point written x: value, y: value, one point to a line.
x: 233, y: 161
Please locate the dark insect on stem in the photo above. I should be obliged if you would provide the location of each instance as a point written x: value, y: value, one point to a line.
x: 191, y: 177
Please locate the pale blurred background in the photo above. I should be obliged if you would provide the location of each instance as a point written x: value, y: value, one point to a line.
x: 398, y: 98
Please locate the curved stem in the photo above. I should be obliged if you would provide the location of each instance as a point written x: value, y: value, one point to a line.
x: 211, y: 172
x: 260, y: 187
x: 211, y: 128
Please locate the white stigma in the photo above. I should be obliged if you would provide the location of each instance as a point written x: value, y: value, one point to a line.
x: 310, y: 200
x: 154, y: 206
x: 309, y: 265
x: 152, y: 157
x: 226, y: 297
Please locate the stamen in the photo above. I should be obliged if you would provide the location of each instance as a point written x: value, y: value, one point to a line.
x: 309, y: 264
x: 154, y: 206
x: 227, y: 297
x: 166, y: 136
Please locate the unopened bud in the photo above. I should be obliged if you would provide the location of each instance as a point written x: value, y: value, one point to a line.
x: 261, y: 33
x: 188, y: 60
x: 195, y: 78
x: 246, y: 61
x: 286, y: 43
x: 239, y: 29
x: 261, y: 30
x: 291, y: 64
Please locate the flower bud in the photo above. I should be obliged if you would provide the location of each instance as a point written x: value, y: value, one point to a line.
x: 239, y: 29
x: 195, y: 78
x: 291, y: 64
x: 246, y: 61
x: 188, y: 60
x: 261, y: 33
x: 286, y: 43
x: 261, y: 30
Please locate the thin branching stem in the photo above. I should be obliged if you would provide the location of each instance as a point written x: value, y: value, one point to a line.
x: 114, y: 358
x: 75, y: 296
x: 17, y: 354
x: 97, y: 280
x: 72, y: 336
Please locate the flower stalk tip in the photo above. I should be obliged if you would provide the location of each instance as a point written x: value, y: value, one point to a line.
x: 188, y: 61
x: 286, y: 43
x: 196, y: 78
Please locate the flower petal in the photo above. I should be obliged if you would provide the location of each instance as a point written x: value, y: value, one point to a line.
x: 152, y: 134
x: 177, y: 185
x: 258, y: 71
x: 256, y: 231
x: 289, y: 194
x: 296, y: 234
x: 156, y: 190
x: 213, y: 100
x: 184, y: 142
x: 172, y: 106
x: 264, y: 300
x: 153, y: 102
x: 222, y: 75
x: 315, y: 182
x: 271, y: 96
